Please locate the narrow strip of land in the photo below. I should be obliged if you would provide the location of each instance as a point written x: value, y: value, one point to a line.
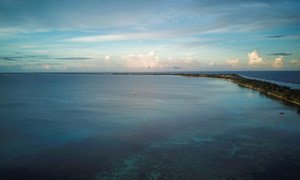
x: 270, y: 89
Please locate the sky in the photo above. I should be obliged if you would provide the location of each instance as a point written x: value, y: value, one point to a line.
x: 144, y: 35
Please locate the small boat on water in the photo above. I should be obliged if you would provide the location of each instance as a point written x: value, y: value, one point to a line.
x: 133, y: 92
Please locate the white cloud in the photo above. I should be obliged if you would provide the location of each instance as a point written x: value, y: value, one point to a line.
x: 233, y: 62
x: 151, y: 61
x: 278, y: 63
x: 141, y: 61
x: 295, y: 63
x: 151, y: 53
x: 46, y: 66
x: 107, y: 57
x: 254, y: 58
x: 187, y: 63
x: 212, y: 63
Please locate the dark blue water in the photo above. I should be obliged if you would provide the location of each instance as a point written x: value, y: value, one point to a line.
x: 89, y: 126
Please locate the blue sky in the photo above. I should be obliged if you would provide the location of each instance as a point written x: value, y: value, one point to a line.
x: 157, y: 35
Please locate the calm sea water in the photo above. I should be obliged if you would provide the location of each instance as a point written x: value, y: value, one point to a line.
x: 89, y: 126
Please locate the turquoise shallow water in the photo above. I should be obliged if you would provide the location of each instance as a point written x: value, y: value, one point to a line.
x: 89, y: 126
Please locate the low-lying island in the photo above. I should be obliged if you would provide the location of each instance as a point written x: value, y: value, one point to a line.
x: 270, y: 89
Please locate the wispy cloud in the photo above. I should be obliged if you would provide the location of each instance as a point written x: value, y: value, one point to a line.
x: 139, y: 35
x: 8, y: 58
x: 15, y: 58
x: 73, y: 58
x: 280, y: 54
x: 39, y: 57
x: 274, y: 37
x: 115, y: 37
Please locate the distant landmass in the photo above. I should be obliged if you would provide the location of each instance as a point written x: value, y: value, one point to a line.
x: 270, y: 89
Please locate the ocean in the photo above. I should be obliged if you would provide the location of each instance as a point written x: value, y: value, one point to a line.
x: 97, y: 126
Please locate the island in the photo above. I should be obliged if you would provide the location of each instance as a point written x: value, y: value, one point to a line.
x: 286, y: 94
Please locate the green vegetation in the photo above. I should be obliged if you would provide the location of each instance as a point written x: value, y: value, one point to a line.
x: 270, y: 89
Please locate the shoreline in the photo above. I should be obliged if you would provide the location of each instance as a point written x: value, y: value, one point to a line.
x: 270, y: 94
x: 283, y: 93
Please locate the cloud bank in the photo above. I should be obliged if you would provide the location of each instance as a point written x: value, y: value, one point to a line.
x: 141, y: 61
x: 233, y: 62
